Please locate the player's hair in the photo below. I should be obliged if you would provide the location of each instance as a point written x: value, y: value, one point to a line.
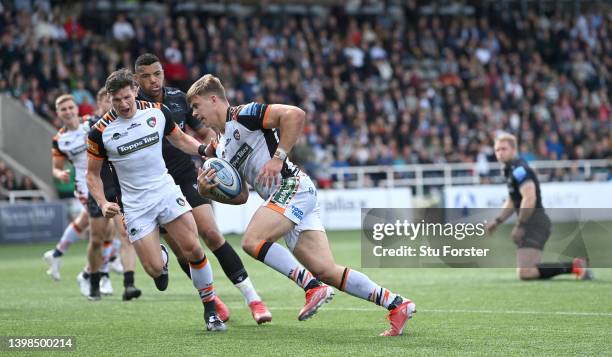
x: 118, y: 80
x: 509, y: 138
x: 101, y: 93
x: 205, y: 85
x: 145, y: 59
x: 63, y: 98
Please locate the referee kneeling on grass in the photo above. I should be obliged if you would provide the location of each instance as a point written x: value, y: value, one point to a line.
x: 533, y: 225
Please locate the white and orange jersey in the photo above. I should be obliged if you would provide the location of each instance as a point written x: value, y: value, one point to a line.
x: 248, y: 143
x: 72, y: 145
x: 134, y: 147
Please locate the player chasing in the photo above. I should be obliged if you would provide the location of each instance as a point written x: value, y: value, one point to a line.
x: 248, y: 139
x: 129, y: 136
x: 70, y: 144
x: 533, y: 226
x: 150, y: 77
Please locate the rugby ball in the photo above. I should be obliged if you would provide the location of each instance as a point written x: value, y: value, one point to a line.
x: 227, y: 178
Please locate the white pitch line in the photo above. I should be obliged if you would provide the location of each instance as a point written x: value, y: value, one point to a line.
x: 455, y: 311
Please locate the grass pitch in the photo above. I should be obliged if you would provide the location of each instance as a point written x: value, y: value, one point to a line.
x: 460, y: 311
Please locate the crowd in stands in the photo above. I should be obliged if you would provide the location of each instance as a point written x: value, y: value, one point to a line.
x: 9, y: 181
x: 419, y: 86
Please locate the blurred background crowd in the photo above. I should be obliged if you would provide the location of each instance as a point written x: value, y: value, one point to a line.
x: 425, y: 84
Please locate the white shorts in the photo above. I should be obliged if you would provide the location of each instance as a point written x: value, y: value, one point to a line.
x: 296, y: 199
x: 171, y: 205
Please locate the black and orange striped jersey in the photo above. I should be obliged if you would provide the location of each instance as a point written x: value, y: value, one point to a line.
x: 133, y: 146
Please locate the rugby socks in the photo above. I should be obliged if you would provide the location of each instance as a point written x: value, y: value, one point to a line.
x: 548, y: 270
x: 72, y: 233
x: 202, y: 278
x: 359, y: 285
x: 128, y: 278
x: 184, y: 267
x: 230, y: 263
x: 280, y: 259
x: 116, y: 249
x: 107, y: 249
x: 234, y: 270
x: 94, y: 280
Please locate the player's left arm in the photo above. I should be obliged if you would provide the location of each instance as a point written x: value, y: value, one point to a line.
x: 178, y: 138
x: 290, y: 121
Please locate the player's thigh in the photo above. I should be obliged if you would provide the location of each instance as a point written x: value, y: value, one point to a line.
x: 267, y: 225
x: 120, y: 229
x: 313, y: 251
x: 183, y: 231
x: 528, y: 257
x: 149, y: 252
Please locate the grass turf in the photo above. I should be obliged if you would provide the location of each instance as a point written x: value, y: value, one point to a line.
x: 460, y: 311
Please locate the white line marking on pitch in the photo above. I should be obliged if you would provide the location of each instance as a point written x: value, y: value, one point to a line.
x: 453, y: 311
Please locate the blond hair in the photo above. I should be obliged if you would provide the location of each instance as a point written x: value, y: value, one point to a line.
x: 509, y: 138
x: 206, y: 84
x: 63, y: 98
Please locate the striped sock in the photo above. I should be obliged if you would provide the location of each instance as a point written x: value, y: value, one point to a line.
x: 202, y: 278
x: 72, y: 233
x: 107, y: 248
x: 359, y: 285
x: 281, y: 260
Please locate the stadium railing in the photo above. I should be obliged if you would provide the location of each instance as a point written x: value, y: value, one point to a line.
x: 422, y: 176
x: 14, y: 196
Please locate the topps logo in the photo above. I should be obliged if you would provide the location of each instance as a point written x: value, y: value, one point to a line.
x: 138, y: 144
x: 78, y: 150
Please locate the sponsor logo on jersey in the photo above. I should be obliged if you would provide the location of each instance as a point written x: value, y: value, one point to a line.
x: 78, y: 150
x: 152, y: 122
x: 285, y: 192
x: 134, y: 125
x: 180, y: 201
x: 175, y: 107
x: 236, y: 135
x: 117, y: 136
x: 138, y: 144
x: 93, y: 147
x: 298, y: 213
x: 241, y: 155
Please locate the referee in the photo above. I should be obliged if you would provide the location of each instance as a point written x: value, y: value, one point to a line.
x: 533, y: 226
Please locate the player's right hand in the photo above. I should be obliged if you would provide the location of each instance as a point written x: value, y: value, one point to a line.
x: 110, y: 209
x: 205, y: 181
x: 64, y: 176
x: 211, y: 148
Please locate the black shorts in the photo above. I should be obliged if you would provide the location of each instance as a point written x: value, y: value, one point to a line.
x: 188, y: 184
x: 537, y: 231
x: 93, y: 209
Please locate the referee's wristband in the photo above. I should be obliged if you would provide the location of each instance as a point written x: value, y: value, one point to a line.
x: 202, y: 150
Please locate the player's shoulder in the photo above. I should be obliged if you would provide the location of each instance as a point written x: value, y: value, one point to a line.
x: 252, y: 109
x: 59, y: 133
x: 145, y: 105
x: 520, y: 170
x: 104, y: 121
x: 174, y: 92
